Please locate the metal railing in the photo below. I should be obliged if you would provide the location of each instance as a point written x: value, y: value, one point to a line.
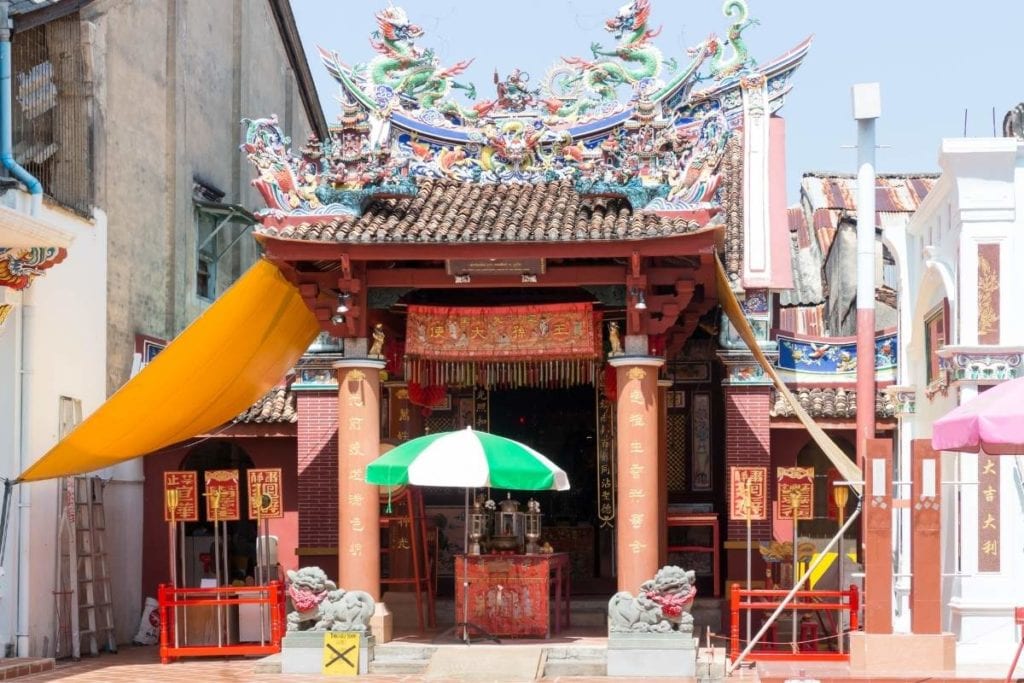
x: 217, y: 607
x: 809, y: 601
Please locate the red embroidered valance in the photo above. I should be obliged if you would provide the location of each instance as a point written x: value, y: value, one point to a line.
x: 508, y: 333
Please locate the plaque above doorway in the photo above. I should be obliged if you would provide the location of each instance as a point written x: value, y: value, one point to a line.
x: 495, y: 266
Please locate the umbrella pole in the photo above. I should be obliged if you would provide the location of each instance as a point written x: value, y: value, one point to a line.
x: 465, y: 573
x: 461, y: 629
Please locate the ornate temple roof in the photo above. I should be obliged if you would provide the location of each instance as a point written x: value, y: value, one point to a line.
x: 627, y: 143
x: 448, y: 211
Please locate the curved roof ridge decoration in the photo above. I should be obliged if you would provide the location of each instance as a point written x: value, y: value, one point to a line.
x: 660, y: 151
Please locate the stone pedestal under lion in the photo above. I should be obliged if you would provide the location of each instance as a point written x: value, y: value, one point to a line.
x: 651, y: 633
x: 318, y: 606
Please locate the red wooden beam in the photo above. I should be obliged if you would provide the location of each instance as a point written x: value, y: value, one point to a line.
x: 690, y: 244
x: 437, y: 278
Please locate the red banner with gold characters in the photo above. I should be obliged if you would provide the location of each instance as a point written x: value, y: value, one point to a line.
x: 222, y: 496
x: 265, y: 497
x: 508, y: 332
x: 749, y: 493
x: 796, y: 492
x: 988, y: 514
x: 181, y: 492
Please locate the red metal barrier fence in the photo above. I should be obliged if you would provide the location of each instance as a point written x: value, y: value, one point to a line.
x: 807, y: 602
x: 217, y: 607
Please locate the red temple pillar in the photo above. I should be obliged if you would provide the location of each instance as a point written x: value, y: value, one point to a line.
x: 926, y: 540
x: 637, y: 469
x: 358, y: 501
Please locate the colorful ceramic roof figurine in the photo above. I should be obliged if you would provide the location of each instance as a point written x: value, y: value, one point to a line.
x: 626, y: 125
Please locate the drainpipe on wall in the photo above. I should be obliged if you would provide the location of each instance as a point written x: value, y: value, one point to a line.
x: 35, y: 189
x: 7, y: 159
x: 24, y: 501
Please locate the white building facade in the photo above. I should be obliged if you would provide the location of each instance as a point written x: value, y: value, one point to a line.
x: 961, y: 331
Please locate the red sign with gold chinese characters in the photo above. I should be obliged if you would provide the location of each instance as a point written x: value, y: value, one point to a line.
x: 749, y: 493
x: 796, y: 492
x: 988, y: 514
x: 504, y: 333
x: 265, y: 498
x: 181, y: 491
x: 222, y: 496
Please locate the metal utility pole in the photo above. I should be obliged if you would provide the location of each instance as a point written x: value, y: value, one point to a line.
x: 867, y: 107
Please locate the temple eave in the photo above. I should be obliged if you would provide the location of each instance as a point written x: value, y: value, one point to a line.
x: 699, y: 241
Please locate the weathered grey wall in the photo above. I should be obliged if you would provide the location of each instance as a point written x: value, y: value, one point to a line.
x: 840, y: 273
x: 173, y: 79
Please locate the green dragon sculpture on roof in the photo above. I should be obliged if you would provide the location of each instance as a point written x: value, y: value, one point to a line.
x: 627, y: 123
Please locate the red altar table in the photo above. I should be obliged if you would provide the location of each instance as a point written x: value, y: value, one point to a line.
x: 511, y: 595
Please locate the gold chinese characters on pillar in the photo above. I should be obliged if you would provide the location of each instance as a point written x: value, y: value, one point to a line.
x: 796, y: 492
x: 265, y: 497
x: 748, y: 491
x: 180, y: 495
x: 989, y: 547
x: 222, y: 496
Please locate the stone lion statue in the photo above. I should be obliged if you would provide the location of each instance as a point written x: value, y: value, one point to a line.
x: 662, y: 605
x: 319, y: 605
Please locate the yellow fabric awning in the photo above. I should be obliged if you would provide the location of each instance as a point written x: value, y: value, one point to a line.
x: 847, y: 468
x: 225, y: 360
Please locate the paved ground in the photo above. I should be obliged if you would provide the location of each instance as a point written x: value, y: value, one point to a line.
x: 135, y: 664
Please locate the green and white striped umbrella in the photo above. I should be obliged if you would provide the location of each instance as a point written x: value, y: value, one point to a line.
x: 467, y: 459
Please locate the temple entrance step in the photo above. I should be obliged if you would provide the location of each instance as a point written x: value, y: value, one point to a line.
x: 396, y: 658
x: 586, y: 612
x: 575, y: 661
x: 708, y: 613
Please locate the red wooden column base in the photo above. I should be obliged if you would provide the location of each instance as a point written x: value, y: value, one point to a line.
x: 877, y: 650
x: 926, y: 540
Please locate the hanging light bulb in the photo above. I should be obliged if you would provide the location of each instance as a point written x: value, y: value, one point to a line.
x: 641, y: 302
x: 338, y: 319
x: 343, y: 304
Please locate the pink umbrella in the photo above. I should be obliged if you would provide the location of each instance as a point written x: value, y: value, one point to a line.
x: 992, y: 421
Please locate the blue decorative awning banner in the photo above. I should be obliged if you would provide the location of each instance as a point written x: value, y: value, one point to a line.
x: 830, y: 356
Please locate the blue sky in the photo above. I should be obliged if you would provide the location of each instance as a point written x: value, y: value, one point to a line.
x: 933, y: 59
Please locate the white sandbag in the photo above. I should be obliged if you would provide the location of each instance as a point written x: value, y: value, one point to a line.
x: 149, y: 625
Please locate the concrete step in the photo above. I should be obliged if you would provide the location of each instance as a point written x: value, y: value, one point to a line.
x: 575, y: 661
x: 589, y: 612
x: 401, y: 658
x: 586, y: 612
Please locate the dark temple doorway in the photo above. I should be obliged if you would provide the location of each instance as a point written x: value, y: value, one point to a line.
x: 561, y: 424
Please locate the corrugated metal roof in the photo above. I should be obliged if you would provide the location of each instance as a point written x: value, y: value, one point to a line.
x: 809, y: 320
x: 893, y: 192
x: 26, y: 6
x: 828, y: 198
